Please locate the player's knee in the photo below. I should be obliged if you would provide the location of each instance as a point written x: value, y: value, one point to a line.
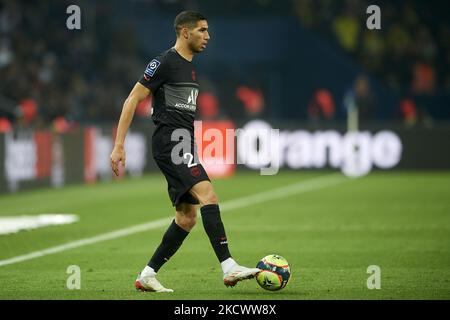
x: 209, y: 197
x: 186, y: 223
x: 205, y: 194
x: 191, y: 220
x: 185, y: 220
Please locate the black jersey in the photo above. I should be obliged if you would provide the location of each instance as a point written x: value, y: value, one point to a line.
x: 173, y: 83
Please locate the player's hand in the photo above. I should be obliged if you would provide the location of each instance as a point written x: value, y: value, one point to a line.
x: 117, y: 156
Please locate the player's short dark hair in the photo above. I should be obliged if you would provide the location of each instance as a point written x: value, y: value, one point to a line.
x: 187, y: 19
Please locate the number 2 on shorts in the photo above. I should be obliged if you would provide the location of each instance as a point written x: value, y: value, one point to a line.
x: 191, y: 159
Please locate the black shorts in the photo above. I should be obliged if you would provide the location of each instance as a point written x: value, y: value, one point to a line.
x: 182, y: 175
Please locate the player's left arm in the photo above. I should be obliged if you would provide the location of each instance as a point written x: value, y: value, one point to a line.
x: 136, y: 95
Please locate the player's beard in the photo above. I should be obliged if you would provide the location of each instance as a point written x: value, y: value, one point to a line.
x: 195, y: 49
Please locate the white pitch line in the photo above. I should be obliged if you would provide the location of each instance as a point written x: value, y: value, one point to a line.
x: 283, y: 192
x: 83, y: 242
x: 278, y: 193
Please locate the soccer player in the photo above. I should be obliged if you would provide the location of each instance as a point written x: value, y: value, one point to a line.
x: 172, y: 80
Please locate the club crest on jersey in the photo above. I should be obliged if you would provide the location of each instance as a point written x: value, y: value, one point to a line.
x: 151, y: 69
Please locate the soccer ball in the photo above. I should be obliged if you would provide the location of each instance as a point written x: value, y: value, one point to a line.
x: 275, y: 272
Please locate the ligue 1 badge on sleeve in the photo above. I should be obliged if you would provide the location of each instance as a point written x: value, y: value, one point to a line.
x: 151, y: 68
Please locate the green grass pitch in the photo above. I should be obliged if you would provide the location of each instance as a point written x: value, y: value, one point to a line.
x: 399, y: 221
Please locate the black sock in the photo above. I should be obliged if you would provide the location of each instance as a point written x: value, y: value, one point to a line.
x: 171, y: 241
x: 216, y: 232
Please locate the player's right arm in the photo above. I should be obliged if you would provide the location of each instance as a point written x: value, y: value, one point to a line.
x: 136, y: 95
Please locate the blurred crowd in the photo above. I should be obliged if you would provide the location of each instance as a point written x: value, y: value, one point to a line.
x: 410, y: 53
x: 52, y: 76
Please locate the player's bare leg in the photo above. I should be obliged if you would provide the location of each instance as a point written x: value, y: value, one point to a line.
x: 212, y: 222
x: 185, y: 219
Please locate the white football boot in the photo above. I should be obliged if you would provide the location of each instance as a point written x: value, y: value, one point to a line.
x: 150, y: 284
x: 238, y: 273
